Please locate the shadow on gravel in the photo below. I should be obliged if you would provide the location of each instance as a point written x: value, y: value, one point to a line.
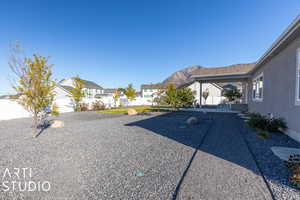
x: 224, y: 140
x: 173, y: 126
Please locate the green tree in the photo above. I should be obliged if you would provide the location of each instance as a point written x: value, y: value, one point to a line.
x: 116, y: 96
x: 177, y: 98
x: 232, y: 94
x: 77, y: 93
x: 205, y: 95
x: 130, y: 92
x: 158, y: 96
x: 35, y: 86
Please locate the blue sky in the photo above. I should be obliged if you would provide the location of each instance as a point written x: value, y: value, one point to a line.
x: 116, y: 42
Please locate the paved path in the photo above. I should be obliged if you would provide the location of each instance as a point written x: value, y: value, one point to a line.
x: 223, y: 167
x: 97, y: 157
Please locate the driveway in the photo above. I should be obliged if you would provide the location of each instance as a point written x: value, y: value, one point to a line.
x: 98, y: 156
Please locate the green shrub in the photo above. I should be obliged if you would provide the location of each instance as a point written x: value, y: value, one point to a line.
x: 177, y: 97
x: 258, y: 121
x: 276, y: 125
x: 262, y: 133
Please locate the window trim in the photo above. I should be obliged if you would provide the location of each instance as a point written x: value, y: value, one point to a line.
x: 255, y: 79
x: 297, y: 92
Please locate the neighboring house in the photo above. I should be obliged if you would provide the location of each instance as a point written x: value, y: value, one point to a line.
x: 63, y: 93
x: 110, y: 91
x: 214, y: 90
x: 149, y: 91
x: 107, y: 97
x: 274, y: 86
x: 90, y: 89
x: 62, y: 98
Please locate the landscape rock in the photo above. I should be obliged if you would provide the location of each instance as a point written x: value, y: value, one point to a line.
x: 192, y: 121
x: 57, y: 124
x: 131, y: 111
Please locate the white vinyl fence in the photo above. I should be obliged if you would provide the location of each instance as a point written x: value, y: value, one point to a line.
x: 10, y: 109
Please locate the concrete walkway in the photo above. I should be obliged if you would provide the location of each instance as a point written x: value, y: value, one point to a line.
x: 223, y: 167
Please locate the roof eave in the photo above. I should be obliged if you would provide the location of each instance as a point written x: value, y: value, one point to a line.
x: 293, y: 27
x: 226, y: 76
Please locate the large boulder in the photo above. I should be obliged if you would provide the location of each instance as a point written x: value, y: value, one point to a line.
x: 192, y: 121
x: 131, y: 111
x: 57, y: 124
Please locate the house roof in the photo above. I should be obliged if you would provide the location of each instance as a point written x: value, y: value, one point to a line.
x: 152, y: 86
x: 110, y: 90
x: 86, y: 83
x: 92, y: 85
x: 102, y: 95
x: 292, y: 32
x: 238, y: 69
x: 65, y: 87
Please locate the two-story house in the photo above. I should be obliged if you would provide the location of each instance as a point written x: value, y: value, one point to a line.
x: 90, y: 89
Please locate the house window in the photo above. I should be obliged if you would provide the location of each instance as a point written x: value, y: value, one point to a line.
x: 258, y: 87
x: 298, y: 78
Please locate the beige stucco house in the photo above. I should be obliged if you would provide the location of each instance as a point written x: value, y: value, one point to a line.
x: 271, y: 86
x: 274, y: 87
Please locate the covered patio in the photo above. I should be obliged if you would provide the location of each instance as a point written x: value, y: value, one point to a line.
x: 230, y: 74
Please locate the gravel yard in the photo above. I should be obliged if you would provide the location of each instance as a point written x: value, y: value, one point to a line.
x: 101, y: 156
x: 272, y: 167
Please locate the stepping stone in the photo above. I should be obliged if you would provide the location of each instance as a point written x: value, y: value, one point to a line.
x: 284, y: 152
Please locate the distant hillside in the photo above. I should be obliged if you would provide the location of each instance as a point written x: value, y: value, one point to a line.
x: 182, y: 76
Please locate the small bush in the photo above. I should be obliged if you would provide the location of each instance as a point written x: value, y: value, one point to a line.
x: 98, y: 105
x: 276, y: 125
x: 257, y: 121
x: 261, y: 122
x: 262, y: 133
x: 83, y: 107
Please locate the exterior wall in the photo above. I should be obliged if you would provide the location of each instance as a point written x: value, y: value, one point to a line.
x: 279, y: 87
x: 62, y: 100
x: 215, y: 93
x: 149, y: 93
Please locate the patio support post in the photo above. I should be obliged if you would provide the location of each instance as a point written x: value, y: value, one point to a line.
x: 244, y: 92
x: 200, y: 95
